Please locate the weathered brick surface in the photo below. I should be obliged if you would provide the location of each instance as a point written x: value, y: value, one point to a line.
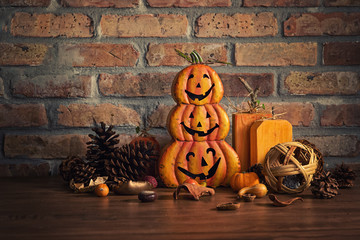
x: 50, y: 25
x: 341, y: 115
x: 162, y: 25
x: 281, y: 3
x: 276, y: 54
x: 234, y: 88
x: 1, y: 87
x: 25, y: 3
x: 163, y: 54
x: 22, y: 54
x: 98, y: 55
x: 83, y: 115
x: 340, y: 3
x: 317, y: 24
x: 341, y: 53
x: 337, y: 146
x: 44, y: 86
x: 25, y: 170
x: 45, y: 146
x: 326, y: 83
x: 143, y: 84
x: 237, y: 25
x: 182, y: 3
x: 158, y: 117
x: 298, y: 114
x: 23, y: 115
x: 100, y: 4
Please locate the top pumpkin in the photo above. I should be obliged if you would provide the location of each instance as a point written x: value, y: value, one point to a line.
x: 197, y: 84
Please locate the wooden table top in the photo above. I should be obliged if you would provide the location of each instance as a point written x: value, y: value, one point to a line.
x: 44, y: 208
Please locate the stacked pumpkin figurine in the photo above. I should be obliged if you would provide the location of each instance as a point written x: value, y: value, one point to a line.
x: 198, y: 125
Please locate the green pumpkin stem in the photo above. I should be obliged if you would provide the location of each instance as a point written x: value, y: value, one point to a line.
x: 195, y: 58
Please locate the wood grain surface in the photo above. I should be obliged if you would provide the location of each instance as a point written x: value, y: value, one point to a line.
x: 44, y: 208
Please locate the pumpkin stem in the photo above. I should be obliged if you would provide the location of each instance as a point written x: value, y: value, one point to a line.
x: 184, y: 55
x: 195, y: 58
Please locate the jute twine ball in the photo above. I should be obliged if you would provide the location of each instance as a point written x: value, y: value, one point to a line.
x: 290, y: 159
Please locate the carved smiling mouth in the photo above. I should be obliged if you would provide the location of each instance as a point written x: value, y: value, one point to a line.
x: 193, y: 96
x: 202, y: 176
x: 200, y: 133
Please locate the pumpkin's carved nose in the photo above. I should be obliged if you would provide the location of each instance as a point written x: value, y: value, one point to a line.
x: 199, y: 125
x: 198, y: 85
x: 203, y: 162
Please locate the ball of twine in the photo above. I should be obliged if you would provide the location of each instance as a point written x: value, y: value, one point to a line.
x: 287, y: 159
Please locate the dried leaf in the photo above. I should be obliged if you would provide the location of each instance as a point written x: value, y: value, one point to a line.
x: 278, y: 203
x: 81, y: 188
x: 132, y: 187
x: 195, y: 190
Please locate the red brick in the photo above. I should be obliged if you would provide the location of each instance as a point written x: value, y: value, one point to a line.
x: 50, y: 25
x: 1, y: 87
x: 276, y: 54
x: 83, y: 115
x: 45, y: 146
x: 158, y: 117
x: 100, y: 4
x: 318, y: 24
x: 341, y: 53
x: 24, y: 115
x: 298, y: 114
x: 281, y: 3
x: 237, y: 25
x: 61, y: 86
x: 22, y: 54
x: 162, y: 25
x: 337, y: 146
x: 181, y: 3
x: 234, y: 88
x: 164, y: 54
x: 341, y: 115
x: 25, y: 170
x: 326, y: 83
x: 140, y: 85
x: 25, y: 3
x: 342, y: 3
x: 98, y: 55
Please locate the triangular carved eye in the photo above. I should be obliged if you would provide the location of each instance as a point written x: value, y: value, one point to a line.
x: 191, y: 115
x: 207, y: 115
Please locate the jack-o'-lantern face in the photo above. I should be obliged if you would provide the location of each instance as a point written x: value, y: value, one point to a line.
x: 202, y: 176
x: 198, y: 123
x: 197, y: 84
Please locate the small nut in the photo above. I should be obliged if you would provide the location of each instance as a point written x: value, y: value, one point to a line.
x: 147, y: 196
x: 248, y: 197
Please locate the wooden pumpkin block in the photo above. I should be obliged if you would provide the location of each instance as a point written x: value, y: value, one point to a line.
x: 266, y: 134
x: 241, y: 135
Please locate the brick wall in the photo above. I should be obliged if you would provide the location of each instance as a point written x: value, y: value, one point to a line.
x: 65, y: 63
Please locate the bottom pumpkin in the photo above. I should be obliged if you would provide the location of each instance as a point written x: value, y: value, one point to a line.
x: 212, y: 161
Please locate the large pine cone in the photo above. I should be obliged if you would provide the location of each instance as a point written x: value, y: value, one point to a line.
x: 344, y: 175
x: 101, y: 147
x: 67, y: 166
x: 132, y: 161
x: 324, y: 186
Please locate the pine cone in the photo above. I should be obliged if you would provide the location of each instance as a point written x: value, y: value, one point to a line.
x: 258, y: 168
x: 66, y: 167
x: 344, y: 175
x: 83, y: 173
x: 132, y: 161
x: 324, y: 186
x: 101, y: 147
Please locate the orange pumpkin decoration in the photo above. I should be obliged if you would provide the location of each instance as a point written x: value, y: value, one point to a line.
x: 244, y: 179
x: 197, y: 84
x: 188, y: 122
x: 211, y: 161
x: 102, y: 190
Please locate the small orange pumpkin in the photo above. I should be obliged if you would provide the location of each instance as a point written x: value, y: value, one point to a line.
x: 244, y: 179
x: 188, y: 122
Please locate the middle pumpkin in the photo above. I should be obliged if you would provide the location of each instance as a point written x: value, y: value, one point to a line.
x: 188, y: 122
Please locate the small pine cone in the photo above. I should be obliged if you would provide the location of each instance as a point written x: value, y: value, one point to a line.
x: 132, y: 161
x: 66, y: 167
x: 344, y: 175
x: 258, y: 169
x: 324, y: 186
x: 83, y: 173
